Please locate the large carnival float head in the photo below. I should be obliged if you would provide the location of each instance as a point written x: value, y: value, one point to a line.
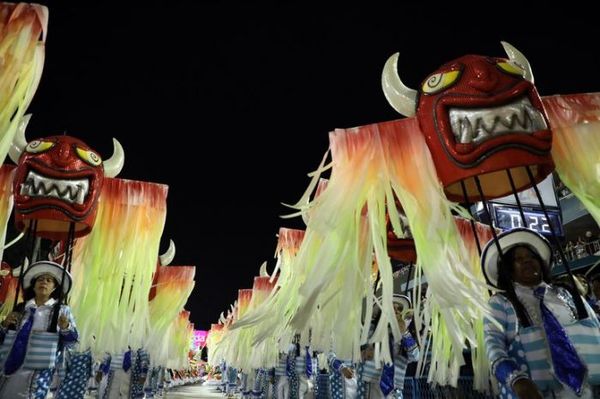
x: 57, y: 182
x: 480, y: 116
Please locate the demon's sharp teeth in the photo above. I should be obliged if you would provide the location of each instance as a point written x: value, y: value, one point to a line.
x: 71, y: 191
x: 466, y: 131
x: 476, y: 125
x: 80, y: 196
x: 536, y: 118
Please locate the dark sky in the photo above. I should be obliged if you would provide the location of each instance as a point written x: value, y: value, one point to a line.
x: 231, y: 105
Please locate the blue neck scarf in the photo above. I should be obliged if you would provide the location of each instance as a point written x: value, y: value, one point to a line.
x: 386, y: 383
x: 569, y: 369
x: 127, y: 361
x: 17, y: 353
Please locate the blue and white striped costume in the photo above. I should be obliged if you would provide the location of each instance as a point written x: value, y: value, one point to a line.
x: 260, y: 384
x: 339, y: 383
x: 141, y: 363
x: 151, y: 386
x: 78, y: 372
x: 302, y: 369
x: 231, y: 380
x: 322, y: 376
x: 116, y: 381
x: 246, y: 384
x: 322, y: 387
x: 282, y: 377
x: 292, y: 376
x: 521, y: 352
x: 43, y: 348
x: 223, y: 386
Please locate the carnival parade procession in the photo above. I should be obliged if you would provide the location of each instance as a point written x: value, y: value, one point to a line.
x: 448, y: 247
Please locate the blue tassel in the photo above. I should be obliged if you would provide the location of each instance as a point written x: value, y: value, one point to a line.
x: 387, y: 379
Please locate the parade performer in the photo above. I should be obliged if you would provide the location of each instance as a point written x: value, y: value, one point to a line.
x: 56, y: 189
x: 303, y: 370
x: 387, y: 381
x: 281, y: 383
x: 116, y: 375
x: 139, y: 373
x: 343, y: 380
x: 476, y: 129
x: 536, y: 344
x: 25, y: 373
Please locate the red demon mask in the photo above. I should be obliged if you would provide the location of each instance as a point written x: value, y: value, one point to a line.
x: 58, y: 181
x: 480, y: 116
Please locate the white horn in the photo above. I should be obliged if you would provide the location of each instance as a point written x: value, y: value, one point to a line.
x: 403, y: 99
x: 113, y: 165
x: 518, y: 58
x: 167, y: 257
x: 17, y: 271
x: 263, y: 270
x: 222, y: 318
x: 19, y: 141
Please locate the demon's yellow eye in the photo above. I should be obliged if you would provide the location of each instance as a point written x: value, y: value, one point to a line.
x: 89, y: 156
x: 37, y: 146
x: 440, y: 81
x: 511, y: 68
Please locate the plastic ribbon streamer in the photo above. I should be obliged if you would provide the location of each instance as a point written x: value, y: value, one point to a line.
x: 22, y: 50
x: 8, y: 284
x: 174, y: 285
x: 575, y: 122
x: 114, y: 265
x: 372, y: 166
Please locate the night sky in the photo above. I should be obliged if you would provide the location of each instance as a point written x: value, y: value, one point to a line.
x: 231, y: 105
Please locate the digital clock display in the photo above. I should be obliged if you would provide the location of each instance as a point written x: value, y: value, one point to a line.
x: 509, y: 218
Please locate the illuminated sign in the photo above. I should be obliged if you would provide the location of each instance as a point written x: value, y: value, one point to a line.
x: 199, y: 339
x: 509, y: 218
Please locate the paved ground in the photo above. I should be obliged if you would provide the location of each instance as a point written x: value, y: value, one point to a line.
x: 194, y: 391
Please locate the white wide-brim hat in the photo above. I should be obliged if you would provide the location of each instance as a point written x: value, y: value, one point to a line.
x: 47, y: 267
x: 399, y: 298
x: 507, y: 240
x: 403, y: 300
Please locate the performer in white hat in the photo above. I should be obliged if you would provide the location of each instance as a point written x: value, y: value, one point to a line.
x: 387, y: 381
x: 38, y: 323
x: 542, y: 341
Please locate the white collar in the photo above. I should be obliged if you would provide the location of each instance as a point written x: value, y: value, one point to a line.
x: 526, y: 289
x: 31, y: 303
